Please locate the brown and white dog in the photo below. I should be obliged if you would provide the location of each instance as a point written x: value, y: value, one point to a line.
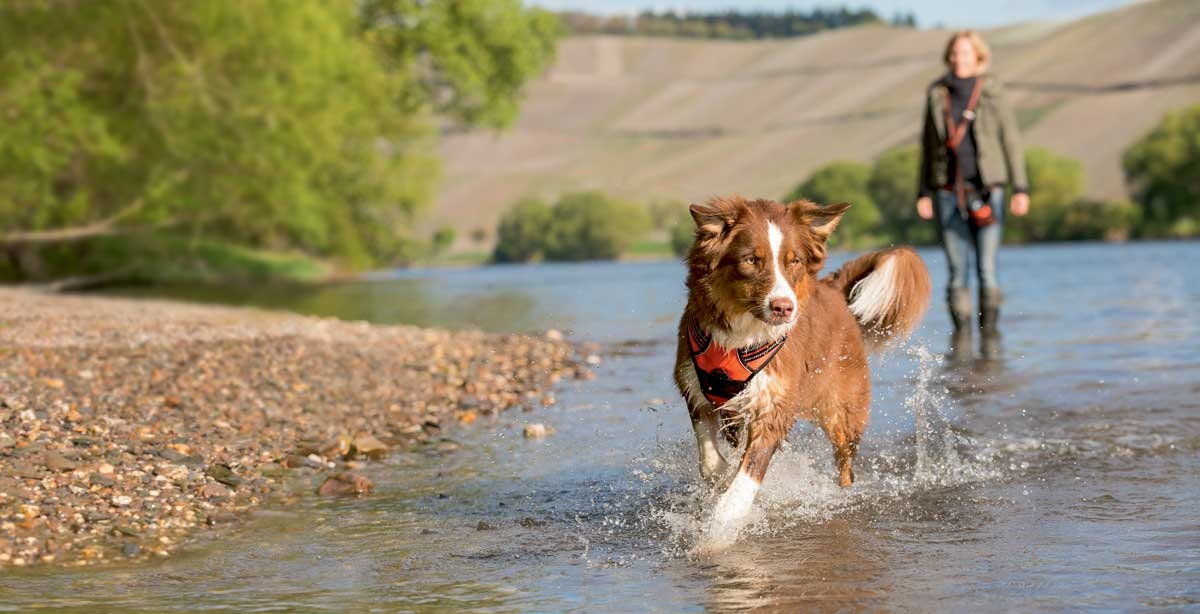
x: 763, y: 342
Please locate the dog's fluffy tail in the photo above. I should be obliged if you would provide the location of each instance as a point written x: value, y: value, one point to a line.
x: 887, y: 291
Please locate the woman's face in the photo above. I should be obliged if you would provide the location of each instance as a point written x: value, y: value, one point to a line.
x: 963, y: 59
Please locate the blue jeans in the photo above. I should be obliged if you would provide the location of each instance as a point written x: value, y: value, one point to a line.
x: 960, y: 237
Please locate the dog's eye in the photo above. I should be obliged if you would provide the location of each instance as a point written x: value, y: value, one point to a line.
x: 751, y: 260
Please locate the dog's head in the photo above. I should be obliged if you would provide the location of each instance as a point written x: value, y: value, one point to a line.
x: 759, y: 257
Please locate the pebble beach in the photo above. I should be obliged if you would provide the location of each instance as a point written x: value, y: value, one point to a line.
x: 130, y: 428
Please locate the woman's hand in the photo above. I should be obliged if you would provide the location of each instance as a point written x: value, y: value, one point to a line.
x: 1019, y: 204
x: 925, y: 207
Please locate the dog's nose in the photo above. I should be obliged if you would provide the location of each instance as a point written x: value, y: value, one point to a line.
x: 782, y: 307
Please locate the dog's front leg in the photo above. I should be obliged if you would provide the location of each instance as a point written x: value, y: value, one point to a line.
x: 705, y: 422
x: 707, y: 426
x: 734, y: 504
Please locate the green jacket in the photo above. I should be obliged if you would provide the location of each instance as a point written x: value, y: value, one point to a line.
x: 997, y: 140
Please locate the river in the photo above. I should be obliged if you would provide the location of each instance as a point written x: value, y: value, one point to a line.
x: 1063, y: 476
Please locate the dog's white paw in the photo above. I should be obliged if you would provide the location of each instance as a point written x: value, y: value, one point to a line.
x: 729, y: 515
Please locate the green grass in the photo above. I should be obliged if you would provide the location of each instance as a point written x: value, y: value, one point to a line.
x: 649, y: 249
x: 467, y: 258
x: 163, y: 258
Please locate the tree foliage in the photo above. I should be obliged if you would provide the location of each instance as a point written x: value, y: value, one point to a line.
x: 844, y: 181
x: 580, y: 226
x: 1163, y: 171
x: 1056, y: 184
x: 521, y: 233
x: 277, y: 124
x: 683, y: 232
x: 893, y: 187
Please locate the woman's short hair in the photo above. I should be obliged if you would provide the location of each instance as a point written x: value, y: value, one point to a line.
x: 981, y: 49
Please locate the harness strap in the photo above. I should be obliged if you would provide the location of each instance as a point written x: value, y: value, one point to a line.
x: 723, y: 372
x: 956, y: 132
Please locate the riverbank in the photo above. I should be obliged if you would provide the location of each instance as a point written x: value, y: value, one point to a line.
x: 127, y: 427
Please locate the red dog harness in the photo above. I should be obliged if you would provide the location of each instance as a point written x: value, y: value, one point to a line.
x: 723, y: 373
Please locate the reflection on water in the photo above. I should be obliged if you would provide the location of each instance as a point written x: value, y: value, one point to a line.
x: 1064, y: 477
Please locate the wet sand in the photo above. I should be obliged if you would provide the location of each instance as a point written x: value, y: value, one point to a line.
x: 129, y: 428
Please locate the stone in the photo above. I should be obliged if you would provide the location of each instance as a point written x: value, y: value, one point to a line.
x: 338, y: 448
x: 213, y: 490
x: 370, y: 447
x: 223, y: 474
x: 537, y: 431
x: 58, y: 463
x: 345, y: 484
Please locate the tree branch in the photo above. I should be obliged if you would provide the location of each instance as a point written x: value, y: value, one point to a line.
x: 105, y: 227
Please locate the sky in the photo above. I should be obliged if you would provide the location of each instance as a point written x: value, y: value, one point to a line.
x: 949, y: 13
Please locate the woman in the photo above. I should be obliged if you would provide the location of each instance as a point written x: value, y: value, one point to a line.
x: 970, y: 152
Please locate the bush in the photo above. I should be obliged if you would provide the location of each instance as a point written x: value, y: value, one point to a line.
x: 1163, y: 172
x: 592, y: 226
x: 683, y: 232
x: 893, y: 187
x: 844, y: 182
x: 520, y: 235
x: 443, y: 238
x: 1056, y: 184
x: 1092, y: 221
x: 664, y: 213
x: 580, y: 226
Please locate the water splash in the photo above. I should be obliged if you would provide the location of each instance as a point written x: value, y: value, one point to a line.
x: 801, y: 486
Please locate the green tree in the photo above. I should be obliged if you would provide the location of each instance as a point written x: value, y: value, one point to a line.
x: 683, y: 232
x: 467, y: 59
x: 893, y: 187
x: 278, y: 124
x: 1056, y: 184
x: 664, y: 213
x: 521, y: 233
x: 442, y: 239
x: 1163, y: 172
x: 592, y: 226
x: 844, y: 181
x: 1092, y: 221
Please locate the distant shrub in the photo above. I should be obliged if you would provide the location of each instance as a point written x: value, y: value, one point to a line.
x: 592, y: 226
x: 1163, y: 172
x: 683, y: 232
x: 580, y: 226
x: 893, y: 187
x: 664, y: 213
x: 838, y: 182
x: 1099, y: 221
x: 443, y: 238
x: 521, y: 233
x: 1056, y: 184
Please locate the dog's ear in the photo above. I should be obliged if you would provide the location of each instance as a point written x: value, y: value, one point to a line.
x: 716, y: 216
x: 827, y: 218
x: 822, y: 220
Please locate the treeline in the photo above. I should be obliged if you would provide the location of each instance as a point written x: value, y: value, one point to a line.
x: 730, y: 24
x: 143, y: 132
x: 1162, y: 170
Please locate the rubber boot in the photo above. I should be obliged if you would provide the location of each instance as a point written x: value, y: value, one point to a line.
x: 959, y: 300
x: 989, y: 322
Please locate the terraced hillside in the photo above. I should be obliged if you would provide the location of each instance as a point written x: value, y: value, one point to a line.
x: 654, y: 117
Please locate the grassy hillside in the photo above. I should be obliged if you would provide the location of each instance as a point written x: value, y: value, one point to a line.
x: 646, y: 117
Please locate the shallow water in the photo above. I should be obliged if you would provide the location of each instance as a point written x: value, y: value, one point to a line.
x: 1065, y: 476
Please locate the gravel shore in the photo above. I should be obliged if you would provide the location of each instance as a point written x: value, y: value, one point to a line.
x: 127, y: 427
